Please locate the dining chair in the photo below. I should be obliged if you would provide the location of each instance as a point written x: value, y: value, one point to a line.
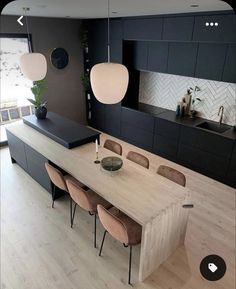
x: 58, y: 180
x: 122, y: 228
x: 87, y: 200
x: 113, y: 146
x: 172, y: 174
x: 138, y: 159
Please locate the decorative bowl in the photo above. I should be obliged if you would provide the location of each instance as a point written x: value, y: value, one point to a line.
x: 111, y: 163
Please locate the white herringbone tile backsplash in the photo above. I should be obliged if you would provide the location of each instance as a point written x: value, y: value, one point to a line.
x: 165, y: 90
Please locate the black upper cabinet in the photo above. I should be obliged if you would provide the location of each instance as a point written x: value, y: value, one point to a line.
x: 210, y: 60
x: 224, y: 32
x: 112, y: 119
x: 182, y: 58
x: 229, y: 73
x: 157, y: 56
x: 178, y: 28
x: 140, y: 55
x: 97, y: 41
x: 116, y: 29
x: 116, y: 50
x: 143, y: 29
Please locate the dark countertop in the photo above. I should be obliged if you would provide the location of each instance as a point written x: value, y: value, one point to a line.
x: 170, y: 115
x: 62, y: 130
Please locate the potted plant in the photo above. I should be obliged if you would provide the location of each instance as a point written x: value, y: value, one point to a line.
x: 85, y: 81
x: 84, y: 39
x: 40, y: 105
x: 195, y: 99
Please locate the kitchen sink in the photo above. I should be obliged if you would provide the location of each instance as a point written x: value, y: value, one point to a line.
x: 220, y: 128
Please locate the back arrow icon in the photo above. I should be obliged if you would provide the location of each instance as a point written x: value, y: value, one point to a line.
x: 19, y: 20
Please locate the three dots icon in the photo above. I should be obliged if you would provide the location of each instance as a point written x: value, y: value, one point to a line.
x: 212, y: 24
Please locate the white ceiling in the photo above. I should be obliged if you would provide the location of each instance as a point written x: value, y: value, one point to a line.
x: 98, y: 8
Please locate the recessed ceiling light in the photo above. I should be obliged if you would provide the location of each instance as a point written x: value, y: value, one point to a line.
x: 68, y: 16
x: 114, y: 12
x: 194, y: 5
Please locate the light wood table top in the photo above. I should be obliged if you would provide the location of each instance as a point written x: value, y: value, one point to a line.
x: 141, y: 194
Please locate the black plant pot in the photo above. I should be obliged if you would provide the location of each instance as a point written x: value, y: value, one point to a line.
x: 41, y: 112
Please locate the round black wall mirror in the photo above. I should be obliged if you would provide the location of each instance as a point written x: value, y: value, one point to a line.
x: 59, y: 58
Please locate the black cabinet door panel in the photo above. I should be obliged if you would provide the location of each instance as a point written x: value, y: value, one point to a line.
x: 206, y: 141
x: 167, y: 129
x: 17, y: 150
x: 137, y: 136
x: 138, y: 119
x: 113, y: 119
x: 202, y: 160
x: 36, y: 167
x: 97, y: 114
x: 229, y: 72
x: 178, y: 28
x: 224, y: 32
x: 157, y: 56
x: 210, y: 60
x: 182, y: 58
x: 140, y: 55
x: 142, y: 29
x: 116, y: 51
x: 165, y: 146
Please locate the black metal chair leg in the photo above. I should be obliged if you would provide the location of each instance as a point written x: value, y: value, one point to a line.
x: 95, y: 231
x: 53, y: 195
x: 72, y: 212
x: 103, y: 239
x: 130, y: 261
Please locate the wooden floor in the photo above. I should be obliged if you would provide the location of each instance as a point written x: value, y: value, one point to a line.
x: 39, y: 250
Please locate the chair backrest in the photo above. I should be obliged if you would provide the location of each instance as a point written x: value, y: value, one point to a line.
x: 56, y: 177
x: 138, y: 159
x: 78, y: 194
x: 113, y: 225
x: 113, y: 146
x: 172, y: 174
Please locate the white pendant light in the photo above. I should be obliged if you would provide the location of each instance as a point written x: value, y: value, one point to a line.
x: 109, y: 81
x: 33, y: 65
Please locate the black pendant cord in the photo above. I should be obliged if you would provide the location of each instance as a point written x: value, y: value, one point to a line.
x: 27, y: 28
x: 108, y: 32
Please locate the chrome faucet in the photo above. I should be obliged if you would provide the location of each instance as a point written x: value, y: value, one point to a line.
x: 221, y: 113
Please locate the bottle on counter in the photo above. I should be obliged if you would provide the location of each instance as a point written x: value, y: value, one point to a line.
x: 178, y: 109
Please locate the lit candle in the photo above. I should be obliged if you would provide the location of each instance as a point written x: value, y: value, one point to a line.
x: 96, y: 143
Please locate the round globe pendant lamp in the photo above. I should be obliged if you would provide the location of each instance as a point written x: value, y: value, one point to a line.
x: 33, y: 65
x: 109, y: 81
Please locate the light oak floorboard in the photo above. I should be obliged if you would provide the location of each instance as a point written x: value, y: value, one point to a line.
x: 40, y: 250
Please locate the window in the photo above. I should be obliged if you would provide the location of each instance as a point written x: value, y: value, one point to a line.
x: 15, y: 88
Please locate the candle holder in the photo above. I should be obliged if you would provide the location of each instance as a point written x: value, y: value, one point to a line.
x: 97, y: 160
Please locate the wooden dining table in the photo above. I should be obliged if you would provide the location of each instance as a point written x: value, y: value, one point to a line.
x: 153, y: 201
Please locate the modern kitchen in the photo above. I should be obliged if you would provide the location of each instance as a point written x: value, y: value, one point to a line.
x: 119, y: 167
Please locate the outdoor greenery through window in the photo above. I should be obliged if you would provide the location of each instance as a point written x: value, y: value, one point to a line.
x: 15, y: 88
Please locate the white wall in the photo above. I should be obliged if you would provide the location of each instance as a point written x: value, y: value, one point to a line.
x: 165, y: 90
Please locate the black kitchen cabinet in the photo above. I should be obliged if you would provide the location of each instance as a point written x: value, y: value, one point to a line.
x: 210, y: 61
x: 36, y: 167
x: 140, y: 55
x: 142, y: 29
x: 97, y: 114
x: 116, y: 44
x: 207, y: 163
x: 17, y: 150
x: 112, y: 119
x: 157, y: 56
x: 206, y: 141
x: 166, y: 138
x: 178, y: 28
x: 224, y: 32
x: 182, y: 58
x: 231, y: 174
x: 116, y: 51
x: 137, y: 128
x: 229, y: 72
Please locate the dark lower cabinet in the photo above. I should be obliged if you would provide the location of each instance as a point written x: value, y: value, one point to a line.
x: 112, y: 119
x: 202, y: 161
x: 97, y: 114
x: 30, y: 160
x: 36, y: 167
x: 17, y: 150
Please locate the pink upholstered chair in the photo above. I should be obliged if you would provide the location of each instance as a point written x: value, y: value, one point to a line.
x: 122, y: 228
x: 172, y: 174
x: 138, y: 159
x: 58, y: 180
x: 86, y: 199
x: 113, y: 146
